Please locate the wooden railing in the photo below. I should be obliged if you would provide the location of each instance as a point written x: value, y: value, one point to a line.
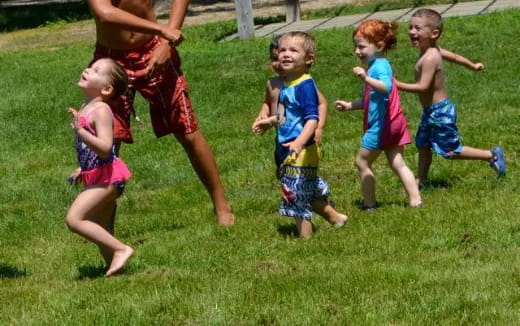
x: 245, y: 17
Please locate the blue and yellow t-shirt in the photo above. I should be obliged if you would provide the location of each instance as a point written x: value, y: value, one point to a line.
x: 297, y: 103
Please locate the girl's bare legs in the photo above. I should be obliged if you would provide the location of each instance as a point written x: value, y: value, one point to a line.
x: 364, y: 162
x: 304, y: 227
x: 425, y: 160
x: 88, y: 204
x: 325, y: 210
x: 395, y: 158
x: 106, y: 219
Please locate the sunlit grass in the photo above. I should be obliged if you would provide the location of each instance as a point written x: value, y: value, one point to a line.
x: 455, y: 261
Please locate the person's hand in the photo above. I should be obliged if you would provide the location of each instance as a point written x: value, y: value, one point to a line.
x: 159, y: 59
x: 174, y: 36
x: 360, y: 72
x: 318, y: 134
x: 261, y: 116
x: 74, y: 124
x: 479, y: 66
x: 343, y: 105
x: 261, y: 126
x: 74, y: 177
x: 295, y: 147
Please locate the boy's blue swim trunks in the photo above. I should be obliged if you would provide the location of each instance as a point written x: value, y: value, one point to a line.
x: 438, y: 129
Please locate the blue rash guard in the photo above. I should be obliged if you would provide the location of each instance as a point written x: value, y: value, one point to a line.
x: 380, y: 69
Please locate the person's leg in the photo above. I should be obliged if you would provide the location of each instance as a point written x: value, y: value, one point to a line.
x: 304, y: 227
x: 328, y: 212
x: 106, y: 219
x: 203, y: 162
x: 471, y: 153
x: 425, y: 160
x: 88, y: 204
x: 395, y: 158
x: 364, y: 162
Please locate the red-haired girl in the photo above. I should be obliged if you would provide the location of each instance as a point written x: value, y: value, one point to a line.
x: 385, y: 127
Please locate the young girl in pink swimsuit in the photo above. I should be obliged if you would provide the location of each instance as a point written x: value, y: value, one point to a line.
x: 385, y: 128
x: 92, y: 213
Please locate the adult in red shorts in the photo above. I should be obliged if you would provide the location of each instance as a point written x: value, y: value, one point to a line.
x: 127, y: 31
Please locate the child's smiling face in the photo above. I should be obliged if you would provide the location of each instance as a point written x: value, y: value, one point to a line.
x: 364, y: 49
x: 292, y: 55
x: 96, y: 77
x: 422, y: 35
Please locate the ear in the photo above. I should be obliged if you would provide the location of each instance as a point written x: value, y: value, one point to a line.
x: 107, y: 91
x: 309, y: 59
x: 380, y: 46
x: 435, y: 33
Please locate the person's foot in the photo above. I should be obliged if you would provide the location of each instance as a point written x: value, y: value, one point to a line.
x: 340, y: 221
x: 119, y: 260
x: 498, y: 163
x: 369, y: 208
x: 225, y: 218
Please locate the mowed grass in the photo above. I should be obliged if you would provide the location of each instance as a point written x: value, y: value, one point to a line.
x: 455, y: 261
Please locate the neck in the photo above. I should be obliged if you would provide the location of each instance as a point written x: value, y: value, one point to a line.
x: 92, y: 99
x: 290, y: 77
x: 426, y: 48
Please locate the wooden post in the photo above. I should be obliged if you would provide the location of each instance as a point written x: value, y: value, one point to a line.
x: 246, y: 26
x: 292, y: 11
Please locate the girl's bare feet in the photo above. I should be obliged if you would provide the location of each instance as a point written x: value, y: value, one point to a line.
x: 119, y: 260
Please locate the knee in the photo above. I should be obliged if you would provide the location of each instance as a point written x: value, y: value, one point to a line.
x: 361, y: 165
x: 72, y: 223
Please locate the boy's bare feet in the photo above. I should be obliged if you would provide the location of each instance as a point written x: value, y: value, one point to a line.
x: 339, y: 221
x: 225, y: 219
x: 119, y: 260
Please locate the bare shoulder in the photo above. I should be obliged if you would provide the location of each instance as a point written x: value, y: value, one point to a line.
x: 432, y: 56
x: 102, y: 111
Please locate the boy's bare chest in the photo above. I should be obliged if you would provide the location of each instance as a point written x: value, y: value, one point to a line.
x: 141, y: 8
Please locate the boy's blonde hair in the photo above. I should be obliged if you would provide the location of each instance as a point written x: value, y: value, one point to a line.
x: 309, y: 44
x: 434, y: 19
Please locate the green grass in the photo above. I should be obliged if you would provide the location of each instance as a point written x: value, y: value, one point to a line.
x: 455, y: 261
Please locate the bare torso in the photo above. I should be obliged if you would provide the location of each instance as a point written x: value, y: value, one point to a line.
x: 437, y: 90
x: 121, y: 39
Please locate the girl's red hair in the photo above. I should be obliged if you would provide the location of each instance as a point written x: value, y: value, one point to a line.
x: 376, y: 31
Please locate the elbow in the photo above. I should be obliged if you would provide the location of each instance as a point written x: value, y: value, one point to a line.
x: 105, y: 153
x: 105, y: 16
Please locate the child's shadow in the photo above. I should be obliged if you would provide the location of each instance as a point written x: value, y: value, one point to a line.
x: 91, y: 271
x: 290, y: 230
x: 8, y: 271
x: 436, y: 184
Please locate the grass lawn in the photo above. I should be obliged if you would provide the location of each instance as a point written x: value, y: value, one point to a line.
x: 455, y: 261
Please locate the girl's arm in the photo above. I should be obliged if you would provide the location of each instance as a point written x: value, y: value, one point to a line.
x: 101, y: 143
x: 463, y: 61
x: 349, y: 106
x: 106, y: 13
x: 376, y: 84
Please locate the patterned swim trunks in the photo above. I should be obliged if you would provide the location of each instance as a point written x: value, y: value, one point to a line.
x: 300, y: 183
x: 438, y: 129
